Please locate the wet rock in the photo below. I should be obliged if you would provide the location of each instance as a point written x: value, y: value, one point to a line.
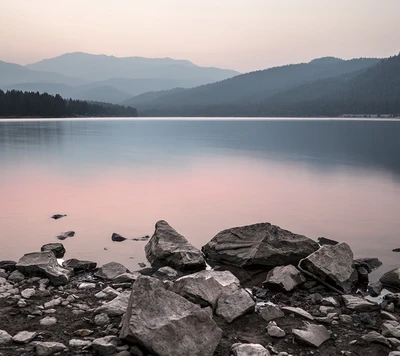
x: 80, y: 265
x: 249, y: 350
x: 65, y: 235
x: 27, y: 293
x: 16, y: 276
x: 57, y: 248
x: 44, y: 263
x: 374, y: 289
x: 48, y: 321
x: 391, y: 278
x: 333, y: 265
x: 101, y: 319
x: 9, y: 266
x: 111, y: 270
x: 299, y: 312
x: 375, y: 337
x: 167, y: 324
x: 117, y: 306
x: 169, y: 248
x: 166, y: 272
x: 396, y: 250
x: 314, y: 335
x: 284, y: 278
x: 359, y: 304
x: 117, y: 237
x: 274, y: 330
x: 234, y: 305
x: 5, y: 337
x: 258, y: 245
x: 370, y: 264
x: 23, y: 337
x: 205, y: 287
x: 58, y: 216
x: 48, y: 348
x: 106, y: 346
x: 271, y: 312
x: 326, y: 241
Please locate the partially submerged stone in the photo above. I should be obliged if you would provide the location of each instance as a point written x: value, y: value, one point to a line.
x: 234, y: 305
x: 56, y: 247
x: 169, y: 248
x: 249, y: 350
x: 391, y: 278
x: 111, y: 270
x: 284, y: 278
x: 44, y: 263
x: 65, y: 235
x: 314, y: 335
x: 166, y: 323
x: 205, y: 287
x: 333, y: 265
x: 117, y: 237
x: 258, y: 245
x: 58, y: 216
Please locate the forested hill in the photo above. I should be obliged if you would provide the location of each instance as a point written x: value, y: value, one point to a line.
x: 15, y: 103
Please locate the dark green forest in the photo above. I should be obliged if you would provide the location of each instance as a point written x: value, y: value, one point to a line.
x: 16, y: 103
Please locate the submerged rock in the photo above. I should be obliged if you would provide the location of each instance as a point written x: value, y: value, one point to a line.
x: 117, y: 237
x: 44, y: 263
x: 167, y: 324
x: 284, y: 278
x: 57, y: 248
x: 169, y: 248
x: 58, y: 216
x: 258, y: 245
x: 332, y: 265
x: 391, y: 278
x: 65, y: 235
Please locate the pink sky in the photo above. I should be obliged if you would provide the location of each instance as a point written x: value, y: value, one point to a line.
x: 234, y: 34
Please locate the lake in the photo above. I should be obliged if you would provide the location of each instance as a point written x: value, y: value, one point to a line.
x: 334, y: 178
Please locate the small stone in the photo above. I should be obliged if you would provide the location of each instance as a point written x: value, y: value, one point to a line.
x: 284, y: 278
x: 27, y: 293
x: 117, y: 237
x: 359, y: 304
x: 106, y: 346
x: 22, y: 303
x: 298, y: 311
x: 101, y: 319
x: 76, y: 343
x: 48, y: 321
x: 16, y: 276
x: 391, y: 328
x: 346, y: 319
x: 249, y: 350
x: 65, y: 235
x: 5, y: 337
x: 86, y: 286
x: 53, y: 303
x: 48, y: 348
x: 375, y: 337
x: 23, y: 337
x: 314, y: 335
x: 58, y: 216
x: 82, y: 332
x: 274, y: 330
x: 166, y: 272
x: 271, y: 312
x: 375, y: 289
x: 330, y: 301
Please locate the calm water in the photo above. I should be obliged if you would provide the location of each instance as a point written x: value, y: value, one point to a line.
x: 338, y: 179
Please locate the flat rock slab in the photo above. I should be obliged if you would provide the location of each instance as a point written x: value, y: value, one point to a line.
x: 234, y: 305
x: 166, y: 323
x: 249, y: 350
x: 358, y: 304
x: 332, y: 264
x: 285, y: 278
x: 299, y: 312
x: 375, y: 337
x: 271, y: 312
x: 111, y: 270
x: 391, y: 278
x: 44, y: 263
x: 169, y: 248
x: 258, y: 245
x: 205, y: 287
x: 314, y: 335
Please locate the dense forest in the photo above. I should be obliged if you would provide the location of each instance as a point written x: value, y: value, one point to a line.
x: 15, y: 103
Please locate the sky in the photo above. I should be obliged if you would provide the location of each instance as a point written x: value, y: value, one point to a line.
x: 244, y: 35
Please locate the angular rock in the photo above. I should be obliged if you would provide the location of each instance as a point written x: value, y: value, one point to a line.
x: 9, y: 266
x: 106, y: 346
x: 299, y: 312
x: 27, y: 293
x: 5, y: 337
x: 48, y: 348
x: 169, y: 248
x: 65, y: 235
x: 23, y: 337
x: 375, y: 289
x: 126, y: 277
x: 48, y: 321
x: 391, y: 328
x: 101, y: 319
x: 107, y: 293
x: 375, y: 337
x: 232, y: 306
x: 205, y: 287
x: 326, y: 241
x: 166, y: 323
x: 391, y: 278
x: 16, y: 276
x: 249, y: 350
x: 79, y: 344
x: 44, y: 263
x: 258, y: 245
x: 369, y: 263
x: 359, y: 304
x: 314, y: 335
x: 80, y: 265
x: 57, y: 248
x: 117, y: 306
x: 166, y: 272
x: 271, y: 312
x: 111, y: 270
x: 117, y: 237
x: 58, y: 216
x: 274, y: 330
x: 333, y: 265
x: 284, y: 278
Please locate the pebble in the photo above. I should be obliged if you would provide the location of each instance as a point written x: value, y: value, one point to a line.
x: 101, y: 319
x: 23, y: 337
x: 22, y: 303
x: 274, y: 330
x: 48, y: 321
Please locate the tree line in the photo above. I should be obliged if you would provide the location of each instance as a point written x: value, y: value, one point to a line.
x: 15, y: 103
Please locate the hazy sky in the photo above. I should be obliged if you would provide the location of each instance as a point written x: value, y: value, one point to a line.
x: 238, y: 34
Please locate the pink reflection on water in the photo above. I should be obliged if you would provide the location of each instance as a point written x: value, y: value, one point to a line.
x: 199, y: 201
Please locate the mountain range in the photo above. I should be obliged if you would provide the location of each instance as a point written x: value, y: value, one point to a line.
x: 106, y: 78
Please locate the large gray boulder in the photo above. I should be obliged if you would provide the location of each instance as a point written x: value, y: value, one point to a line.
x: 332, y: 265
x: 169, y: 248
x: 258, y: 245
x: 285, y: 278
x: 391, y: 278
x: 165, y: 324
x: 205, y: 287
x: 44, y: 263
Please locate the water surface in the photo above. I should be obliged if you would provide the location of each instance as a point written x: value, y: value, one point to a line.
x: 334, y: 178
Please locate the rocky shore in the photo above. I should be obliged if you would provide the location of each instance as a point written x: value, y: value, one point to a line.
x: 255, y: 290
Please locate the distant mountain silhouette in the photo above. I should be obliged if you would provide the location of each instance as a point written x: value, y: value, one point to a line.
x: 256, y: 86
